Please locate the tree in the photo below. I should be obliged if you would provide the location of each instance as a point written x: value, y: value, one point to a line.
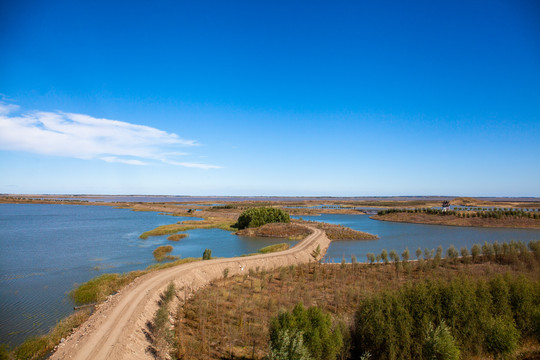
x: 384, y: 256
x: 452, y: 253
x: 501, y: 337
x: 475, y: 252
x: 322, y: 341
x: 289, y: 345
x: 256, y: 217
x: 207, y: 254
x: 440, y: 344
x: 405, y: 255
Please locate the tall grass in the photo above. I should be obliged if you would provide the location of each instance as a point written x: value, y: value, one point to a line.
x: 37, y: 347
x: 274, y: 248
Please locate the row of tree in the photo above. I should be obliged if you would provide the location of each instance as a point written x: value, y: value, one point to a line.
x: 504, y: 253
x: 497, y: 213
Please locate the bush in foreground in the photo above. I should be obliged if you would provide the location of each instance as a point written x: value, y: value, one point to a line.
x: 256, y: 217
x: 322, y: 341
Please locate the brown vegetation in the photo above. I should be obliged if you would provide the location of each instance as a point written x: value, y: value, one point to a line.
x: 208, y: 223
x: 177, y: 237
x: 162, y: 253
x: 282, y: 230
x: 339, y: 232
x: 423, y: 218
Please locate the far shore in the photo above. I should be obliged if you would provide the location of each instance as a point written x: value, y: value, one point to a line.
x: 449, y: 220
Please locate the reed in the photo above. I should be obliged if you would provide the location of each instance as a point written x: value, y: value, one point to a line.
x: 274, y: 248
x: 177, y: 237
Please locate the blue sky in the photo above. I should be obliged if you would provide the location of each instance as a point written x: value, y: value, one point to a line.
x: 342, y: 98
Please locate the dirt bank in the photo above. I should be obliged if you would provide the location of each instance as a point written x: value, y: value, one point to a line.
x: 118, y: 329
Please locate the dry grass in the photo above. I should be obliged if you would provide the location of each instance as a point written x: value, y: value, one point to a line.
x: 274, y: 248
x: 209, y: 223
x: 339, y: 232
x: 162, y: 253
x: 177, y: 237
x: 230, y: 317
x: 282, y: 230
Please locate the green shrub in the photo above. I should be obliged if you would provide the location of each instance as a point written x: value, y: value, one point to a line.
x: 207, y: 254
x: 440, y: 344
x: 501, y: 337
x: 256, y: 217
x: 289, y: 345
x: 322, y: 341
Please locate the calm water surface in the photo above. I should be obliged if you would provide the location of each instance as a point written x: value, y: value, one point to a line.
x: 398, y: 236
x: 46, y: 249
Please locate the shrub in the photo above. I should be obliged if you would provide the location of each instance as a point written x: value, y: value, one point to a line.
x: 475, y: 251
x: 440, y: 344
x: 322, y: 341
x: 384, y: 256
x: 207, y: 254
x: 501, y: 337
x: 289, y: 345
x: 256, y: 217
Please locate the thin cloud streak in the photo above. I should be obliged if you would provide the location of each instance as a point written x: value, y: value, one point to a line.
x: 85, y: 137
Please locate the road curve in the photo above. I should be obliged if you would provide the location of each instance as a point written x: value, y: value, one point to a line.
x: 118, y: 328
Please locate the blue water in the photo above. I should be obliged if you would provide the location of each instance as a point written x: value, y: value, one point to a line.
x: 47, y: 249
x: 398, y: 236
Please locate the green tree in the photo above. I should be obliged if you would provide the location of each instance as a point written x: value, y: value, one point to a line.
x: 322, y: 341
x: 440, y: 344
x: 207, y: 254
x: 475, y: 252
x: 256, y: 217
x: 289, y: 345
x: 501, y: 337
x: 384, y: 256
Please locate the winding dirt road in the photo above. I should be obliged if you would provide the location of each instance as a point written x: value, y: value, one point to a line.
x: 118, y: 329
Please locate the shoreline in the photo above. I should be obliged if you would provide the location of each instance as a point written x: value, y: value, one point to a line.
x: 449, y: 220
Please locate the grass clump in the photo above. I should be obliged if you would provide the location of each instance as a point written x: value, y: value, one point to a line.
x: 274, y: 248
x: 209, y: 223
x: 162, y: 253
x: 99, y: 288
x: 177, y: 237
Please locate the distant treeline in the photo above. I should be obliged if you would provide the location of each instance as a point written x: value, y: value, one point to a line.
x: 495, y: 213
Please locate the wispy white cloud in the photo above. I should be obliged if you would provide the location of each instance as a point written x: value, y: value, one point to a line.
x: 85, y: 137
x: 193, y: 165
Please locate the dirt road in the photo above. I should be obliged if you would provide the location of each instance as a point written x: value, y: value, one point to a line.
x: 118, y: 328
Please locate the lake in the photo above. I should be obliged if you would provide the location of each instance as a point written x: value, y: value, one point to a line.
x: 46, y: 249
x: 398, y: 236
